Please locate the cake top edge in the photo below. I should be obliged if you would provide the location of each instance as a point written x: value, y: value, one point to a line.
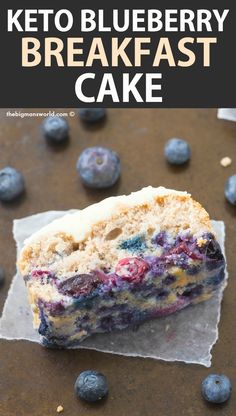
x: 101, y: 211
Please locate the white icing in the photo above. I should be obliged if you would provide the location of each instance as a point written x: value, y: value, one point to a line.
x: 79, y: 223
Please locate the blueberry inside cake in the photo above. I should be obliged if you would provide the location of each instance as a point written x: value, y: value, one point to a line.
x: 118, y: 263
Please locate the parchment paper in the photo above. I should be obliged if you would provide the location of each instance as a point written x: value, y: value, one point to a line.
x: 185, y: 336
x: 227, y: 114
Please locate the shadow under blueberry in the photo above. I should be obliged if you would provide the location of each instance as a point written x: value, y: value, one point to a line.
x: 94, y: 195
x: 93, y: 126
x: 97, y: 404
x: 15, y: 202
x: 176, y: 169
x: 216, y: 407
x: 57, y: 147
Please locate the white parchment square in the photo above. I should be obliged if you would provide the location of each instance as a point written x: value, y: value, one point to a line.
x: 185, y: 336
x: 227, y: 114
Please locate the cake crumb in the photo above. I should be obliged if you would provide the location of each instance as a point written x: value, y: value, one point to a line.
x: 167, y: 327
x: 226, y: 161
x: 201, y: 242
x: 60, y: 409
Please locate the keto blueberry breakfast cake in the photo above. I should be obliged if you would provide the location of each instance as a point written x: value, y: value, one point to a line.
x: 118, y: 263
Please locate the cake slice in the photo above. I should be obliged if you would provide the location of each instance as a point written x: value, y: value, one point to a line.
x: 118, y: 263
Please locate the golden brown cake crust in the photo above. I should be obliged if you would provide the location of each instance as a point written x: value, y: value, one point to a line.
x: 64, y: 249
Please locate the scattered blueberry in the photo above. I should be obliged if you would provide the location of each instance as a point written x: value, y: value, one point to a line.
x: 98, y: 167
x: 12, y: 184
x: 55, y: 129
x: 216, y: 388
x: 230, y: 189
x: 2, y: 276
x: 92, y: 115
x: 91, y: 386
x: 177, y: 151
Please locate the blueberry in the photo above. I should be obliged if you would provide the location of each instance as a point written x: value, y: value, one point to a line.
x: 91, y: 386
x: 134, y: 244
x: 193, y: 269
x: 230, y: 189
x: 56, y: 129
x: 177, y: 151
x: 132, y: 269
x: 193, y: 292
x: 2, y: 276
x: 169, y: 279
x: 92, y: 115
x: 79, y: 285
x: 160, y: 239
x: 216, y: 388
x: 107, y: 323
x: 98, y: 167
x: 217, y: 279
x: 43, y: 327
x: 211, y: 249
x: 12, y: 184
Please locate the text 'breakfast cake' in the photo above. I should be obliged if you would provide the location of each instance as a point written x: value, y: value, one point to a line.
x: 118, y: 263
